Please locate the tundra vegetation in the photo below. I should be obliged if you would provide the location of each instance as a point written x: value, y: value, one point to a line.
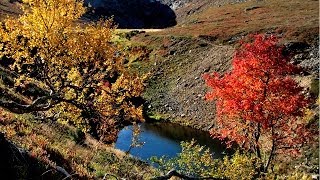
x: 68, y: 87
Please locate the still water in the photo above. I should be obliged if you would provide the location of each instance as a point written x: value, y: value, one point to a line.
x: 161, y: 139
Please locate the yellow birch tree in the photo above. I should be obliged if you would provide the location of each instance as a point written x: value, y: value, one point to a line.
x: 65, y: 70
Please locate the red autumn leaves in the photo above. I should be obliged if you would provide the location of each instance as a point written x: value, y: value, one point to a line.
x: 258, y: 99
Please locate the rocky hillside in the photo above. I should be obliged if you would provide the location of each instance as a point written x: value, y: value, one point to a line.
x: 176, y: 89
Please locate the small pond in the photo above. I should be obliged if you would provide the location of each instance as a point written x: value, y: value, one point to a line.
x: 164, y: 139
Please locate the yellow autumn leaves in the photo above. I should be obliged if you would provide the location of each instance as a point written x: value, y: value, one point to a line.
x: 76, y: 61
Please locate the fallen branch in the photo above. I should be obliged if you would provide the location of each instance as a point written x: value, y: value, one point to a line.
x: 63, y: 171
x: 173, y: 172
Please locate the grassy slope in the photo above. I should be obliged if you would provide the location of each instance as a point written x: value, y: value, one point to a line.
x: 54, y: 144
x: 294, y: 19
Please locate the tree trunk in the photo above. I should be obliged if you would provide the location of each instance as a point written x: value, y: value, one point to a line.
x: 257, y: 137
x: 273, y: 148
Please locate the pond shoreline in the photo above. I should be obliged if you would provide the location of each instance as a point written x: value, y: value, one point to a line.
x: 163, y: 139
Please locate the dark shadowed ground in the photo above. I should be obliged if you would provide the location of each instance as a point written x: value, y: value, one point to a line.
x: 132, y: 13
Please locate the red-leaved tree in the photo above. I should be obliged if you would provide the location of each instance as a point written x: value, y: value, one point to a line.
x: 259, y: 105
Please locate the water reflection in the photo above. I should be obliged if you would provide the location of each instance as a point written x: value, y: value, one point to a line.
x: 164, y: 139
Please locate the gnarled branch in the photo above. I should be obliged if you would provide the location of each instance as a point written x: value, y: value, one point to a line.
x: 40, y: 104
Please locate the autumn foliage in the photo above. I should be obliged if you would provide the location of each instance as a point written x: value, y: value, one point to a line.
x: 259, y: 105
x: 56, y: 68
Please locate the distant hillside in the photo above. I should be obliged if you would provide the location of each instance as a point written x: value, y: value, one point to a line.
x: 185, y: 8
x: 227, y: 20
